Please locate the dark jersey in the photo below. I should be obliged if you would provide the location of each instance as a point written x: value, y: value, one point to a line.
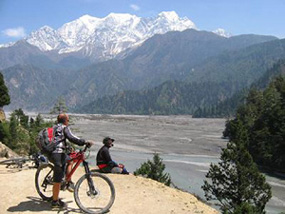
x: 103, y: 156
x: 62, y: 133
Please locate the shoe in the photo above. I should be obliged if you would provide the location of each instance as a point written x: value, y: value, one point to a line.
x: 70, y: 186
x: 58, y: 204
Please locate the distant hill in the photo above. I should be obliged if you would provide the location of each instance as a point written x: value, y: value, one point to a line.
x: 213, y: 81
x: 245, y: 65
x: 35, y: 88
x: 171, y: 97
x: 183, y: 56
x: 229, y: 106
x: 23, y: 53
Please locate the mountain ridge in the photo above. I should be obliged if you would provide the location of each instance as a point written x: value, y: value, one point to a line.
x: 163, y: 57
x: 108, y: 35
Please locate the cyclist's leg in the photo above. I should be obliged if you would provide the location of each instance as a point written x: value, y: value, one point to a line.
x: 69, y: 163
x: 116, y: 170
x: 125, y: 171
x: 58, y: 160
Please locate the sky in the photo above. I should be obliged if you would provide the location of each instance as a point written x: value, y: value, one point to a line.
x: 18, y: 18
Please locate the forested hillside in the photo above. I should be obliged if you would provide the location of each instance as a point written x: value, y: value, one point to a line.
x: 205, y: 99
x: 263, y: 118
x: 183, y: 56
x: 228, y: 107
x: 172, y: 97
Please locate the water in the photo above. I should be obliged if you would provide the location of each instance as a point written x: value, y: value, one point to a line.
x: 188, y: 173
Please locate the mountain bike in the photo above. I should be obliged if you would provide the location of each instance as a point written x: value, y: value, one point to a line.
x: 18, y: 162
x: 93, y: 193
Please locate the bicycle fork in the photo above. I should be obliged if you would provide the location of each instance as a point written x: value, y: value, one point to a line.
x: 92, y: 191
x: 47, y: 180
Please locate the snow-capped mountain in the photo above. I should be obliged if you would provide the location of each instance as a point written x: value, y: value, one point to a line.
x: 222, y: 32
x: 104, y: 38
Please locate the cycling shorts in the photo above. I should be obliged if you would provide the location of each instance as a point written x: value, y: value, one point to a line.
x: 59, y: 161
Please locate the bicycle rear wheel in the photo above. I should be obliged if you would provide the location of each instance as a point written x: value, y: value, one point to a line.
x: 94, y: 193
x: 17, y: 162
x: 44, y: 181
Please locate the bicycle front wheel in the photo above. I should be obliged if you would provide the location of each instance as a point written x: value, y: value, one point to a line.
x: 44, y: 181
x: 94, y: 193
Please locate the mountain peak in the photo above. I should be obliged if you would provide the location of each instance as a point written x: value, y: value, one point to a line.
x: 171, y: 15
x: 120, y: 17
x: 87, y: 18
x: 222, y: 32
x: 46, y: 27
x: 103, y: 38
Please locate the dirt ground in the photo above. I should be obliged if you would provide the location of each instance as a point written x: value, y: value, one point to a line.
x: 134, y: 195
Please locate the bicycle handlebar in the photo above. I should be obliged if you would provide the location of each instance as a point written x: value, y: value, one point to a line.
x: 86, y: 146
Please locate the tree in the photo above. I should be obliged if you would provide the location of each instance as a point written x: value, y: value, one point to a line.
x: 39, y: 120
x: 4, y: 94
x: 154, y: 170
x: 4, y: 133
x: 22, y: 118
x: 263, y: 117
x: 59, y: 107
x: 236, y: 183
x: 13, y: 131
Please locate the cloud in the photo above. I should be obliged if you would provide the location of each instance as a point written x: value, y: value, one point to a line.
x: 15, y: 32
x: 135, y: 7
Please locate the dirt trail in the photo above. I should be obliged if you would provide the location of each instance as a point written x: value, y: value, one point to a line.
x: 134, y: 195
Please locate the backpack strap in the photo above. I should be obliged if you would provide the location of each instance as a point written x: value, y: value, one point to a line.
x: 53, y: 135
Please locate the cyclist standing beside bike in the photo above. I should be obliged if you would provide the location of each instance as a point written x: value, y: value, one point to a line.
x: 60, y: 158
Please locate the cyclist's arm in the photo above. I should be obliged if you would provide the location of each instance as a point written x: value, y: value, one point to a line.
x: 72, y: 138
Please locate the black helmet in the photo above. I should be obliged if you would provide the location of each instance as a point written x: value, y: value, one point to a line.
x: 106, y: 140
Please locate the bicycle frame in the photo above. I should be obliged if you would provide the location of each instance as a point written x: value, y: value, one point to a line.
x: 78, y: 159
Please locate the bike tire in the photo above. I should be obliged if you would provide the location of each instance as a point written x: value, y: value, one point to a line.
x: 44, y: 181
x: 14, y: 161
x: 104, y: 199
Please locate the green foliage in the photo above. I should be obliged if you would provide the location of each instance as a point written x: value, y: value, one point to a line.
x: 59, y: 107
x: 4, y: 93
x: 4, y: 132
x: 229, y: 106
x: 219, y: 98
x: 263, y: 116
x: 20, y: 132
x: 235, y: 181
x: 154, y: 170
x: 172, y: 97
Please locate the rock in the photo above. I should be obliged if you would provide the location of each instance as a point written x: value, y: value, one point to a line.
x: 2, y: 115
x: 7, y: 152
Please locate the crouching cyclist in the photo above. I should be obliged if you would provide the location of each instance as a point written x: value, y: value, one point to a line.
x: 104, y: 160
x: 60, y: 158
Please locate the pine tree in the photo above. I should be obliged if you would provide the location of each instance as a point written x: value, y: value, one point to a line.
x: 154, y: 170
x: 59, y: 107
x: 236, y: 183
x: 39, y: 120
x: 13, y: 131
x: 22, y: 118
x: 4, y: 95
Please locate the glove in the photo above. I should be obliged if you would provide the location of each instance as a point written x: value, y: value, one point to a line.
x: 90, y: 143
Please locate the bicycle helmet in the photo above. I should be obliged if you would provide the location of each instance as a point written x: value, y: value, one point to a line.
x: 43, y: 159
